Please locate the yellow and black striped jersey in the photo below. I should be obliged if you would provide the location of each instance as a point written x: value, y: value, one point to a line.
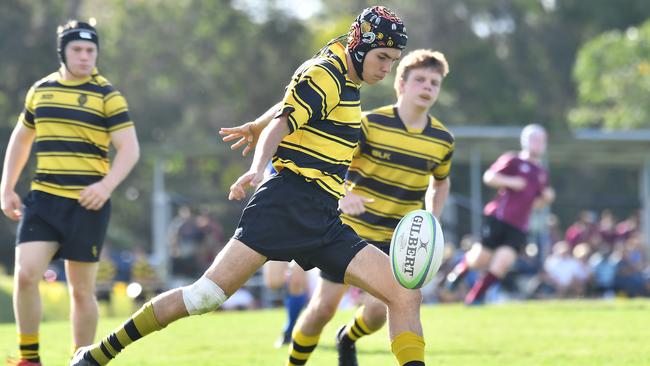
x: 324, y: 116
x: 73, y: 123
x: 392, y: 166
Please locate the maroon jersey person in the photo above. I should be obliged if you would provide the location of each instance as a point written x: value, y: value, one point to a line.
x: 522, y: 184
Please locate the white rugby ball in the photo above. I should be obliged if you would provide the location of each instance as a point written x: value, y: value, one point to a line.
x: 416, y: 249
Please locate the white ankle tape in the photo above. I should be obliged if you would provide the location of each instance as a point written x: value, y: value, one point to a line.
x: 203, y: 296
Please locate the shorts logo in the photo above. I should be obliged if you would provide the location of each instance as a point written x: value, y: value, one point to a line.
x: 94, y: 251
x: 82, y: 99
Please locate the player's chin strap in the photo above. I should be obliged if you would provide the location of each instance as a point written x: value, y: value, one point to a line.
x: 203, y: 296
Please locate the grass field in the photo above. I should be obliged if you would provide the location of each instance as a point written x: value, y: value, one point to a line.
x: 535, y: 333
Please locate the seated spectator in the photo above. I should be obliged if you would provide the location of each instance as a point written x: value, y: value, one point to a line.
x: 604, y: 264
x: 583, y: 230
x: 563, y: 275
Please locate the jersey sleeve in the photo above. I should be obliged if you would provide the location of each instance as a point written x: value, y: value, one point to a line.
x: 441, y: 172
x: 311, y: 96
x: 503, y: 164
x: 27, y: 115
x: 116, y: 111
x: 363, y: 136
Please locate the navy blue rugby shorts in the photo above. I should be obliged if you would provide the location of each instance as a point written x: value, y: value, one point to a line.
x: 79, y: 232
x: 289, y: 218
x: 497, y: 233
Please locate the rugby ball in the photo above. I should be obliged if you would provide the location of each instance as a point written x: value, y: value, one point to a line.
x: 416, y: 249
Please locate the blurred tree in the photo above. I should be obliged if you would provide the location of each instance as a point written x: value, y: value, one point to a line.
x: 511, y: 60
x: 612, y: 72
x: 188, y: 68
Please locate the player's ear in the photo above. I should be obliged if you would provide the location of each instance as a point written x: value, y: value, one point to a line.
x: 400, y: 86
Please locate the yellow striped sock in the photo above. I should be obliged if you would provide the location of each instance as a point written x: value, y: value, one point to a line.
x: 142, y: 323
x: 28, y: 347
x: 408, y: 347
x: 301, y: 348
x: 357, y: 327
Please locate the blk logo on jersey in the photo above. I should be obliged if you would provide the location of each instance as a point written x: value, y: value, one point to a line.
x: 82, y: 99
x: 380, y: 154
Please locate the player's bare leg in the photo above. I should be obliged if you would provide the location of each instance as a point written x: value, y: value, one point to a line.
x: 84, y: 311
x: 234, y: 265
x: 31, y: 262
x: 478, y: 257
x: 502, y: 260
x: 370, y: 271
x: 320, y: 310
x: 275, y: 274
x: 369, y: 318
x: 280, y: 274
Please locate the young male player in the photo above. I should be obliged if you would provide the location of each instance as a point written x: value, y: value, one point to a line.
x: 293, y: 215
x: 73, y: 115
x: 403, y: 154
x: 522, y: 184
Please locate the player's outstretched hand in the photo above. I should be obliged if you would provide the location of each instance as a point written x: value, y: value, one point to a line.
x: 11, y: 205
x: 248, y: 179
x: 354, y: 204
x: 247, y: 134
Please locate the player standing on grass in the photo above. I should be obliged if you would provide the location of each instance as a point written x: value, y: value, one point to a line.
x: 403, y: 155
x: 522, y: 184
x: 293, y: 215
x: 72, y: 115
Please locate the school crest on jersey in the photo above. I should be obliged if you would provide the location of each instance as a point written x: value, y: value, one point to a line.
x: 82, y: 99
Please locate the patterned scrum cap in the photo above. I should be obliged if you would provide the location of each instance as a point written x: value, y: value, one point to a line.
x: 75, y: 31
x: 375, y: 27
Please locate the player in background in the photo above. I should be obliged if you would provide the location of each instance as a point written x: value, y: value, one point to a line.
x: 288, y: 275
x: 279, y: 274
x: 522, y: 184
x: 72, y: 115
x: 293, y: 215
x: 404, y: 154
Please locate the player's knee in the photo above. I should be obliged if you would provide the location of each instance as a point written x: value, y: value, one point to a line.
x: 82, y: 294
x: 203, y: 296
x: 404, y: 299
x: 26, y: 277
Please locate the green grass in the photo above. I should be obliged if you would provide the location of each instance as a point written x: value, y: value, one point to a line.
x: 537, y: 333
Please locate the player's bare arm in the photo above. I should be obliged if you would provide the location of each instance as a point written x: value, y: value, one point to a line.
x: 127, y: 154
x: 20, y: 145
x: 498, y: 180
x: 269, y: 141
x: 248, y: 134
x: 436, y: 195
x: 546, y: 198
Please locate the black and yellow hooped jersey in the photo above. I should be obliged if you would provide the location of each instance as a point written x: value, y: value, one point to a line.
x: 324, y: 116
x: 73, y: 123
x: 392, y: 166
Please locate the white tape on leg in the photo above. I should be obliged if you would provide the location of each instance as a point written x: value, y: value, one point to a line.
x: 203, y: 296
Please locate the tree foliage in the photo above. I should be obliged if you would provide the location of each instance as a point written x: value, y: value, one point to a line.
x: 188, y: 67
x: 612, y: 73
